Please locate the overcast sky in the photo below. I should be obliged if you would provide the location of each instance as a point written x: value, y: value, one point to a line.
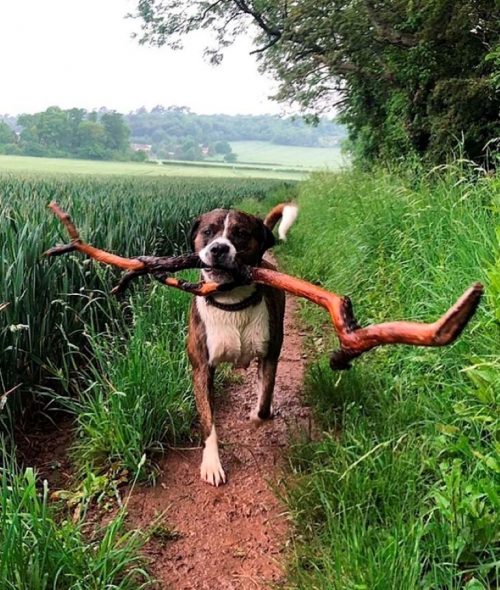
x: 79, y: 53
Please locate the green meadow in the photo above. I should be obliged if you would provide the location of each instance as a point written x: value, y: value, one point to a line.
x: 263, y: 152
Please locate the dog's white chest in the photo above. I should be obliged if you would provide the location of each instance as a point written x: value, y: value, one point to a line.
x: 235, y: 336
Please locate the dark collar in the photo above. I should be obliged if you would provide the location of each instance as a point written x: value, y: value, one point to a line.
x: 254, y: 299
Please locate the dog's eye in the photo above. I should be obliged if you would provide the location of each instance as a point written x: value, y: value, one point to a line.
x: 241, y: 233
x: 207, y: 232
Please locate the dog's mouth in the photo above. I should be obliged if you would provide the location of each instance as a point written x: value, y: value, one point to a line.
x: 218, y: 276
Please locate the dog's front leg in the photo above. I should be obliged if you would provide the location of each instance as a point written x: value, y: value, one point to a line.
x: 211, y: 469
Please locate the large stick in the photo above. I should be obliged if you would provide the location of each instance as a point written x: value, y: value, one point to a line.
x: 353, y: 339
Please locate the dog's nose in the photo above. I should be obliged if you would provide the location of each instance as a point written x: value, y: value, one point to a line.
x: 219, y: 249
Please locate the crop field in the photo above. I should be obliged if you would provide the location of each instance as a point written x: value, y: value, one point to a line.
x: 43, y: 166
x: 46, y: 298
x: 262, y: 152
x: 118, y: 366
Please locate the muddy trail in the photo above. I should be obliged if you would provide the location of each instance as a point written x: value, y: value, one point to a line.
x: 231, y: 537
x: 234, y: 536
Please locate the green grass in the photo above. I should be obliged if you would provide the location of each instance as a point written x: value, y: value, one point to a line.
x: 403, y: 489
x: 25, y: 164
x: 119, y: 366
x: 263, y: 152
x: 138, y: 393
x: 43, y: 550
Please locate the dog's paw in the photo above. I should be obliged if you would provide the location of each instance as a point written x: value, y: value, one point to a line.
x: 257, y: 418
x: 211, y: 469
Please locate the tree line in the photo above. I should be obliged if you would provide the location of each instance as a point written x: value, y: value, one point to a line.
x: 173, y: 133
x: 177, y: 130
x: 60, y: 133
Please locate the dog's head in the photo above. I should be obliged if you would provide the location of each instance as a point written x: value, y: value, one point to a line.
x: 226, y: 238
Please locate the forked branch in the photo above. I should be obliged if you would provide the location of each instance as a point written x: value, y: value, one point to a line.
x: 353, y: 339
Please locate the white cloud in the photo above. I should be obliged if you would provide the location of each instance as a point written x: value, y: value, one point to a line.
x: 80, y: 53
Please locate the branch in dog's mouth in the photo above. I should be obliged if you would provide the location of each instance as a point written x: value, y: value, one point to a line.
x: 353, y: 339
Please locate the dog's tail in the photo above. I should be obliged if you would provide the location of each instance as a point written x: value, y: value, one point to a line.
x: 287, y: 213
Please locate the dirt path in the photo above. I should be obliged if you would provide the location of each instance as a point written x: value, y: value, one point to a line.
x: 234, y: 536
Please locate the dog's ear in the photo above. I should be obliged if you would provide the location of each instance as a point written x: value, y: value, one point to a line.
x: 193, y: 231
x: 268, y: 239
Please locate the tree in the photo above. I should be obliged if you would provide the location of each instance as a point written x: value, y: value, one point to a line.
x: 140, y: 156
x: 407, y: 76
x: 75, y: 119
x: 7, y: 136
x: 91, y: 141
x: 74, y: 132
x: 222, y: 148
x: 189, y: 150
x: 230, y: 158
x: 116, y: 132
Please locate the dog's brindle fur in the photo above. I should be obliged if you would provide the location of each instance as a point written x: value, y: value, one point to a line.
x: 227, y: 237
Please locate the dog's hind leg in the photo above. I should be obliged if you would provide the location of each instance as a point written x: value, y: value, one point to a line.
x: 265, y: 385
x: 211, y: 469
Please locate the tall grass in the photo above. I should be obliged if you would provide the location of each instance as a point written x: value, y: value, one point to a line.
x: 39, y: 551
x: 51, y: 301
x: 402, y: 490
x: 138, y: 386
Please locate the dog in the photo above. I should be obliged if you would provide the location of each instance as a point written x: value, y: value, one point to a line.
x: 238, y: 325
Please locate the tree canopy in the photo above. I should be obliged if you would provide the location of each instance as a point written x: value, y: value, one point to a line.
x: 6, y: 134
x: 75, y: 132
x: 409, y: 77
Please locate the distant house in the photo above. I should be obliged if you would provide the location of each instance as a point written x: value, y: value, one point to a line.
x: 141, y: 147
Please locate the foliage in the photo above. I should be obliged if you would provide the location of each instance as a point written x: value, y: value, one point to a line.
x: 174, y: 133
x: 166, y: 128
x: 7, y: 136
x: 138, y: 386
x: 402, y: 489
x: 124, y: 362
x: 230, y: 158
x: 73, y: 132
x: 413, y: 77
x: 222, y: 147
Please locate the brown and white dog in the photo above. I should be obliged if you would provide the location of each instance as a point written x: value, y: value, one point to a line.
x: 238, y: 325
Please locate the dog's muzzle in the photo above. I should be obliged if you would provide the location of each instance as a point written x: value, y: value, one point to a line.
x: 219, y: 253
